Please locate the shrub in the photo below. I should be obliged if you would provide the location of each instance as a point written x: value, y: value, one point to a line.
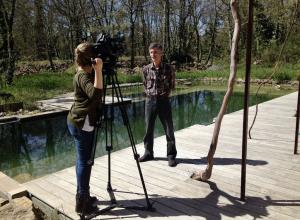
x: 282, y: 77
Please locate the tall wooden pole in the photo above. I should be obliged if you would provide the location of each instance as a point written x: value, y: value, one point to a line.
x: 246, y: 99
x: 297, y: 120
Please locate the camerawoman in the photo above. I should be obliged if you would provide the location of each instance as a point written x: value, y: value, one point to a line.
x: 92, y: 61
x: 82, y: 118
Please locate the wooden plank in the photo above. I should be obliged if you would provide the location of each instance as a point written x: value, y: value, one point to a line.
x: 152, y: 173
x: 273, y: 173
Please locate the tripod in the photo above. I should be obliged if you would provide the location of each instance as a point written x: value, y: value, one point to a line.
x: 110, y: 78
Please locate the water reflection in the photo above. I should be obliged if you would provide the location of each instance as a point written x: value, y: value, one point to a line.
x: 32, y: 149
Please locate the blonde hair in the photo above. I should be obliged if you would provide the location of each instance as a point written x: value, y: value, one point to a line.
x: 83, y: 54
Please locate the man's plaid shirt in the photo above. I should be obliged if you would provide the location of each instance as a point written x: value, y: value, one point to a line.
x: 158, y: 81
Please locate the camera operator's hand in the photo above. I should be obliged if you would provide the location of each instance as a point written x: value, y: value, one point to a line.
x: 98, y: 73
x: 98, y: 65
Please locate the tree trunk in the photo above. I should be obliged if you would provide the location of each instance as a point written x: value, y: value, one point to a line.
x: 144, y: 29
x: 133, y: 17
x: 196, y: 16
x: 132, y: 53
x: 181, y: 29
x: 49, y: 53
x: 39, y: 30
x: 198, y: 42
x: 213, y: 38
x: 95, y: 12
x: 49, y: 36
x: 166, y: 42
x: 205, y: 175
x: 8, y: 21
x: 230, y: 31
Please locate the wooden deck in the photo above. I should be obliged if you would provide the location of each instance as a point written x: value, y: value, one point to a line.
x: 273, y: 173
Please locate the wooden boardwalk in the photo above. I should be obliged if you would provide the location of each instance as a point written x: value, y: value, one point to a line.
x: 273, y: 173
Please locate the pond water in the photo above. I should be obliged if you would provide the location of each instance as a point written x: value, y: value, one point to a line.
x: 32, y: 149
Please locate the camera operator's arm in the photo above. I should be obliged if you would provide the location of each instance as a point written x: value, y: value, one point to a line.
x: 98, y: 73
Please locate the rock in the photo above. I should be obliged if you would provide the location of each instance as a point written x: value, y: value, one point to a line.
x: 257, y: 62
x: 240, y: 81
x: 19, y: 208
x: 294, y: 83
x: 187, y: 83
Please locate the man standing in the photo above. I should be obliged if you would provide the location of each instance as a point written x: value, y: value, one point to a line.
x: 158, y: 80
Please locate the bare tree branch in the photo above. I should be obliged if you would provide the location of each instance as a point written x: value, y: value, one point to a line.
x: 205, y: 175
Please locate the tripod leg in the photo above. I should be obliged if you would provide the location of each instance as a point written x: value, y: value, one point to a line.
x: 109, y: 187
x: 109, y: 148
x: 117, y: 89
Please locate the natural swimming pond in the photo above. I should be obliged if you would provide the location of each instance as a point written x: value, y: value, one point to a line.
x: 36, y: 148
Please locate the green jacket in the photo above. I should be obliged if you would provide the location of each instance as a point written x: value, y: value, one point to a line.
x: 87, y: 100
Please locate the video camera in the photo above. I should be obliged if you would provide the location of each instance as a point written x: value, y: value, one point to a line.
x: 109, y: 49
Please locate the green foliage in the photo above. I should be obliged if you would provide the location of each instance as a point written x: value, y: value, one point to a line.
x: 6, y: 100
x: 283, y: 73
x: 133, y: 78
x: 270, y: 54
x: 31, y: 88
x: 71, y: 69
x: 264, y: 28
x: 283, y: 77
x: 201, y: 74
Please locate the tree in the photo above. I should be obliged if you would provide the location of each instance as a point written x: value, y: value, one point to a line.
x: 73, y: 13
x: 196, y: 18
x: 205, y: 175
x: 166, y: 38
x: 212, y: 31
x: 144, y: 29
x: 7, y: 13
x: 182, y: 36
x: 39, y: 30
x: 132, y: 8
x: 186, y: 28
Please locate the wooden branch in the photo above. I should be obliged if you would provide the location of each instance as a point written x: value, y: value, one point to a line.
x: 205, y: 175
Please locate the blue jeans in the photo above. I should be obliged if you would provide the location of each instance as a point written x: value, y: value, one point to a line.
x: 159, y: 106
x: 84, y: 146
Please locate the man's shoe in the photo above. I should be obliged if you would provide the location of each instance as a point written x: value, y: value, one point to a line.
x: 146, y: 157
x: 172, y: 162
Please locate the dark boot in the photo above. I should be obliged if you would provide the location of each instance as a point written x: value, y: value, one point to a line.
x: 172, y: 161
x: 84, y: 204
x: 146, y: 157
x: 93, y: 200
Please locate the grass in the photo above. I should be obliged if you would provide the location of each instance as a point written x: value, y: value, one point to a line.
x: 285, y: 89
x: 45, y: 85
x: 31, y: 88
x: 282, y: 73
x: 133, y: 78
x: 285, y: 72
